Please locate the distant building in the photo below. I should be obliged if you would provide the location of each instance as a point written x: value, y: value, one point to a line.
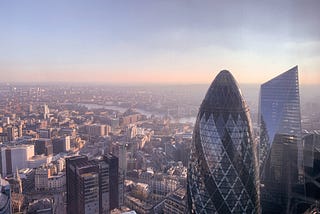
x: 45, y: 133
x: 46, y: 111
x: 13, y: 133
x: 61, y: 144
x: 43, y: 146
x: 129, y: 117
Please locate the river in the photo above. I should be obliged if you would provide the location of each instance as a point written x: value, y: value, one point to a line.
x: 141, y: 111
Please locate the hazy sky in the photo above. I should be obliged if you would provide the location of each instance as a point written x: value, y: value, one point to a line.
x: 166, y: 41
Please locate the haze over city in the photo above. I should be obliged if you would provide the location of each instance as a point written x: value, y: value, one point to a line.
x: 159, y: 107
x: 157, y: 41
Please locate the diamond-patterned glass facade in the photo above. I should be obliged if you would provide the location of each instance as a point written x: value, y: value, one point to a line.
x: 222, y: 175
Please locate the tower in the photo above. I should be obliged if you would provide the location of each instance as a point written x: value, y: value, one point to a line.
x: 280, y: 147
x: 279, y: 113
x: 222, y: 174
x: 113, y: 162
x: 83, y: 194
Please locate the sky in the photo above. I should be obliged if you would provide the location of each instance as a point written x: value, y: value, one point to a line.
x: 158, y: 41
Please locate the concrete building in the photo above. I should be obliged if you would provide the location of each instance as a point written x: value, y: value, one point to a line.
x: 38, y: 160
x: 15, y: 157
x: 43, y: 146
x: 41, y: 178
x: 56, y: 182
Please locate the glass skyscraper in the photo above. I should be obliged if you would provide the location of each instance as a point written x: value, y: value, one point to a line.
x: 280, y: 147
x: 223, y: 170
x: 279, y: 113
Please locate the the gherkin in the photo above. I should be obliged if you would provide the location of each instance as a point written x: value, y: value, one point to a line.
x: 222, y: 174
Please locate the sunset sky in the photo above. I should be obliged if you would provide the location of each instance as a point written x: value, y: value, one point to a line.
x: 157, y: 41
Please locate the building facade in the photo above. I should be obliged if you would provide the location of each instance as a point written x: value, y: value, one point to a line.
x: 93, y: 186
x: 82, y: 185
x: 223, y: 170
x: 279, y: 113
x: 15, y: 157
x: 281, y: 148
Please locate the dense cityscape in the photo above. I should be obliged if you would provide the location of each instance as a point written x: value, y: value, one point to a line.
x: 159, y: 107
x: 126, y: 149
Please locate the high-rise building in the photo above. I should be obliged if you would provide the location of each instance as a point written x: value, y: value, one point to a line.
x: 223, y: 169
x: 280, y: 148
x: 113, y: 162
x: 46, y: 111
x: 93, y: 186
x: 82, y: 186
x: 12, y: 133
x: 279, y: 113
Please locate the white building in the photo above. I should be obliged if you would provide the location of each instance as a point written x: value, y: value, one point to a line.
x: 38, y: 160
x: 15, y: 157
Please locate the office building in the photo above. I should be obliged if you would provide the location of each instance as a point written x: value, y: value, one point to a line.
x: 61, y: 144
x: 82, y: 186
x: 93, y: 186
x: 15, y: 157
x: 113, y: 163
x: 280, y: 147
x: 223, y: 170
x: 279, y: 113
x: 43, y: 146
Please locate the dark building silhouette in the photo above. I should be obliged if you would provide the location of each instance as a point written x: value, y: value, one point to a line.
x: 113, y: 163
x: 43, y: 146
x: 61, y: 144
x: 312, y: 167
x: 223, y: 170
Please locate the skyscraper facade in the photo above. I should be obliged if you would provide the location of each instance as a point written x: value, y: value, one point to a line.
x: 113, y: 162
x: 223, y: 168
x: 280, y: 148
x: 82, y: 185
x: 279, y: 113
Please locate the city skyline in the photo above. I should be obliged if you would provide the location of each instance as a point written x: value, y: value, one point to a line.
x: 157, y: 42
